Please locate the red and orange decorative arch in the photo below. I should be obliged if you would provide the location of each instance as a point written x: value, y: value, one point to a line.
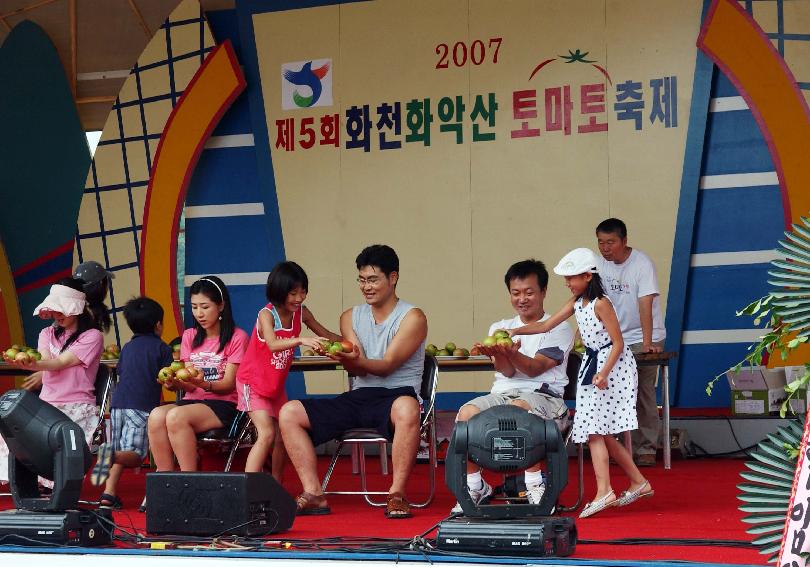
x: 11, y: 326
x: 210, y: 93
x: 739, y: 47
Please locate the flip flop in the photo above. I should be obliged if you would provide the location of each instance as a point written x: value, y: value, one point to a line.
x: 110, y: 501
x: 597, y: 506
x: 630, y: 496
x: 101, y: 470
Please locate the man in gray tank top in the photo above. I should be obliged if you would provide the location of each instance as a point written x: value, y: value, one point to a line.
x: 387, y: 363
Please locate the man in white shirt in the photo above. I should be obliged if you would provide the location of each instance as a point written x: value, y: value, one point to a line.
x: 631, y: 284
x: 530, y: 374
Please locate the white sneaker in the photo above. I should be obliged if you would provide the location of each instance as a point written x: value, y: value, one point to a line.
x: 535, y: 493
x: 477, y: 495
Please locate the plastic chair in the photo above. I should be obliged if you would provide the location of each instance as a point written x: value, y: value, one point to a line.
x: 358, y: 439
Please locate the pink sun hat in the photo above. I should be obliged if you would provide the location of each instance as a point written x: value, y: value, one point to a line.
x: 62, y: 299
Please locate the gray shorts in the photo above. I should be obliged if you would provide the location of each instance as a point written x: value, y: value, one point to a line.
x: 542, y: 405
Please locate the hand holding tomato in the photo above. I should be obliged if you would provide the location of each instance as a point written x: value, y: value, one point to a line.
x: 507, y: 350
x: 315, y: 343
x: 484, y: 350
x: 195, y: 377
x: 348, y: 352
x: 22, y: 360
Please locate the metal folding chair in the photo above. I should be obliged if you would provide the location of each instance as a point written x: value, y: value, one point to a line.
x: 358, y: 439
x: 570, y: 394
x: 229, y: 439
x: 106, y: 380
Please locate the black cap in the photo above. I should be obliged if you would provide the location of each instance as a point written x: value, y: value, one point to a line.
x: 91, y: 272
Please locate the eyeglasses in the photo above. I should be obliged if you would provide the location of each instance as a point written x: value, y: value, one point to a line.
x: 372, y: 281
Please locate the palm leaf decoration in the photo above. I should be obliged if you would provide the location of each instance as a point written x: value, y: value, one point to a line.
x: 769, y: 473
x: 791, y: 280
x: 766, y: 494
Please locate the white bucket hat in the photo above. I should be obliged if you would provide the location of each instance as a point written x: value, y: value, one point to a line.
x: 577, y: 261
x: 61, y: 299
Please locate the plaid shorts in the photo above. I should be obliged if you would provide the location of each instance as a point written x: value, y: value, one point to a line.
x: 129, y: 430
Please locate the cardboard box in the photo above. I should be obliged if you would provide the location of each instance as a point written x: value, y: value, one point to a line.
x: 761, y: 391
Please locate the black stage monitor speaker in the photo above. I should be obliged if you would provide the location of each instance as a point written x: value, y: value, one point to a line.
x: 214, y: 503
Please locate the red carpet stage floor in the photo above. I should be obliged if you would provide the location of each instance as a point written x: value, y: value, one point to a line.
x: 695, y: 500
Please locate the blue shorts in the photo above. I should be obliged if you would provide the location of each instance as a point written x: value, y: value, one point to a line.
x: 362, y: 408
x: 129, y: 430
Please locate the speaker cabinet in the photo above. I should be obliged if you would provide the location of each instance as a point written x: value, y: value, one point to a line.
x: 215, y: 503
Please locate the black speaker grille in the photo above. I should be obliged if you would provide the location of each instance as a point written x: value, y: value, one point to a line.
x: 210, y: 504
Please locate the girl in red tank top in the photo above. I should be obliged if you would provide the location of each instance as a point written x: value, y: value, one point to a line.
x: 262, y: 375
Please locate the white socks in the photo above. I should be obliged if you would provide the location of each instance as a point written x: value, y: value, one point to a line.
x: 475, y: 481
x: 534, y: 478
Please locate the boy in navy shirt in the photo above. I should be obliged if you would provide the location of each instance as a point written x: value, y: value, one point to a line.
x: 137, y: 393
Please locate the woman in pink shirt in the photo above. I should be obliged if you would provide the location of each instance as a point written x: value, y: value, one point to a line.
x: 71, y: 349
x: 214, y: 346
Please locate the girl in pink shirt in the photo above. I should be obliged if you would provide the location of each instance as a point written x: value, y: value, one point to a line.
x: 71, y: 349
x: 214, y: 346
x: 263, y: 373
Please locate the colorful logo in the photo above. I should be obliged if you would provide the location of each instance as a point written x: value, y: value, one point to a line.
x: 306, y: 84
x: 573, y: 57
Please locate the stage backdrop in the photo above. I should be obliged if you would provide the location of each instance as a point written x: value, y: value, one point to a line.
x: 469, y: 135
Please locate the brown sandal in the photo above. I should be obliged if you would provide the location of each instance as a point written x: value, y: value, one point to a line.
x: 311, y: 505
x: 397, y: 507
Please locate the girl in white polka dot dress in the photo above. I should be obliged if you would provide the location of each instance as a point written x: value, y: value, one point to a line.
x: 606, y: 392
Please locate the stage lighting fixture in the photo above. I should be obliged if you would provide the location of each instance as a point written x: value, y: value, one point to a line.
x: 42, y: 441
x: 507, y: 439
